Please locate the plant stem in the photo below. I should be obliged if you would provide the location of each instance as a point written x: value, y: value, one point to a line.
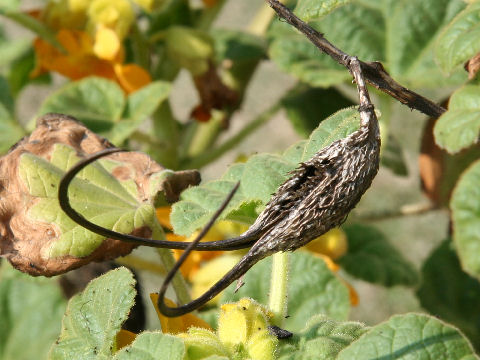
x: 373, y: 71
x: 213, y: 154
x: 278, y: 288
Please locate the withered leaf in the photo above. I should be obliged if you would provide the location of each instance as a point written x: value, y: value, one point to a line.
x: 439, y: 171
x: 472, y: 66
x: 115, y: 192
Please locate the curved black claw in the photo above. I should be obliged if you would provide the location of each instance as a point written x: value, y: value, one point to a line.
x: 240, y: 242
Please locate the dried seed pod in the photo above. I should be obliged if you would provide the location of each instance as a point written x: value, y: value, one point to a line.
x: 316, y: 198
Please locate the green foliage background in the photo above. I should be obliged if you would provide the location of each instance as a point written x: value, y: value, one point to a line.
x: 396, y: 261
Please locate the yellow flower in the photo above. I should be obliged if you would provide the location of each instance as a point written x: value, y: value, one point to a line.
x: 204, y: 278
x: 178, y: 324
x: 243, y: 327
x: 116, y: 15
x: 80, y: 60
x: 220, y: 231
x: 333, y: 244
x: 66, y: 14
x: 242, y: 334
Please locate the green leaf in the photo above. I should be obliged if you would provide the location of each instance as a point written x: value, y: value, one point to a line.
x: 259, y: 178
x: 10, y: 5
x: 400, y: 34
x: 237, y: 46
x: 450, y: 293
x: 412, y: 31
x: 296, y: 55
x: 410, y: 336
x: 29, y: 22
x: 104, y: 199
x: 19, y: 72
x: 459, y: 127
x: 307, y: 106
x: 140, y: 105
x: 460, y: 40
x: 10, y: 130
x: 321, y: 337
x: 309, y: 10
x: 312, y: 288
x: 31, y: 310
x: 153, y: 346
x: 465, y: 207
x: 371, y: 258
x: 11, y: 50
x: 96, y: 102
x: 94, y: 317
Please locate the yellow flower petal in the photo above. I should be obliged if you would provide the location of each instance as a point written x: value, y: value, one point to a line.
x: 243, y: 327
x: 124, y: 338
x: 149, y: 5
x: 114, y: 14
x: 178, y: 324
x: 107, y: 44
x: 334, y: 244
x: 66, y: 14
x: 163, y: 216
x: 210, y: 273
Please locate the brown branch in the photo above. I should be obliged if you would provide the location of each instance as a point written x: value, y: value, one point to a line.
x: 373, y: 71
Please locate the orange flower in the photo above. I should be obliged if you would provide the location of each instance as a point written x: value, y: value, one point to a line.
x: 178, y: 324
x: 83, y: 58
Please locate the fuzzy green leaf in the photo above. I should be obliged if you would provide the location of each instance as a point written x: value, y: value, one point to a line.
x: 459, y: 127
x: 259, y: 178
x: 102, y: 198
x: 450, y: 293
x: 313, y: 288
x: 296, y: 55
x: 96, y: 102
x: 321, y: 337
x: 10, y: 130
x: 400, y: 34
x: 412, y: 30
x: 410, y: 336
x: 371, y: 258
x: 460, y: 40
x: 140, y: 105
x: 153, y: 346
x: 309, y: 10
x: 465, y: 207
x: 94, y: 317
x: 307, y: 106
x: 31, y: 310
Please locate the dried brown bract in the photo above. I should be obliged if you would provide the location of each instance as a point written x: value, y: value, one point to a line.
x: 27, y: 238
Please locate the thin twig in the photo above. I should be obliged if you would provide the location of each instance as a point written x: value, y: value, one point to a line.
x: 373, y: 71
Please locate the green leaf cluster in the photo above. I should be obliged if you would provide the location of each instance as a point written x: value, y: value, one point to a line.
x: 94, y: 316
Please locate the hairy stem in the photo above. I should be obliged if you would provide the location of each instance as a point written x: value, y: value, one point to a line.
x: 278, y: 299
x: 373, y: 72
